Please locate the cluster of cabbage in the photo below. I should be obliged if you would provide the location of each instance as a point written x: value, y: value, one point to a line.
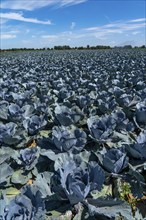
x: 71, y: 123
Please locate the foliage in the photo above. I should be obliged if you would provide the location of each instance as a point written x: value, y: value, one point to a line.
x: 73, y: 134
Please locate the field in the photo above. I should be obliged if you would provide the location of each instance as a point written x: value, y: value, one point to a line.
x: 73, y: 135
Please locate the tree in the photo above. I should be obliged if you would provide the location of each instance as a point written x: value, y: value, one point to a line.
x: 127, y: 47
x: 143, y: 46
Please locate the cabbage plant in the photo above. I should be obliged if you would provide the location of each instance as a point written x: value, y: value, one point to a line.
x: 69, y: 138
x: 73, y: 181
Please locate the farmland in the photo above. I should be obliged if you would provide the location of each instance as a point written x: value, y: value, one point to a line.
x: 73, y: 135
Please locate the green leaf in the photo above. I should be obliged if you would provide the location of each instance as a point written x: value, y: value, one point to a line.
x: 20, y: 177
x: 45, y: 133
x: 11, y: 192
x: 106, y: 190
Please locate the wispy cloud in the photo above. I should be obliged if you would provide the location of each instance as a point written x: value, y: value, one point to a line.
x: 70, y: 2
x: 137, y: 20
x: 60, y: 36
x: 117, y: 27
x: 27, y: 31
x: 73, y: 24
x: 136, y: 32
x: 107, y: 34
x: 50, y: 37
x: 35, y: 4
x: 2, y: 21
x: 19, y: 17
x: 7, y: 36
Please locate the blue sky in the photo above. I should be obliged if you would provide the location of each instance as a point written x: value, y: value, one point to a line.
x: 45, y: 23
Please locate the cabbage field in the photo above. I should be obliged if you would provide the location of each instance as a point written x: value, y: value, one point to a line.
x: 73, y: 135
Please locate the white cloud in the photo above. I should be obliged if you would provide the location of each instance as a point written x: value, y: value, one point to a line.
x: 2, y: 21
x: 136, y: 32
x: 19, y: 17
x: 137, y: 20
x: 7, y: 36
x: 24, y: 4
x: 73, y: 24
x: 62, y: 35
x: 27, y: 31
x: 50, y: 37
x: 79, y: 36
x: 35, y: 4
x: 70, y: 2
x: 133, y: 26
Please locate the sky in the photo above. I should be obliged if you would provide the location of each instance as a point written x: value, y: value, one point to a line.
x: 46, y: 23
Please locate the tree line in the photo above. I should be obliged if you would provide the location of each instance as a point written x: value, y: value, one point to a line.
x: 67, y: 47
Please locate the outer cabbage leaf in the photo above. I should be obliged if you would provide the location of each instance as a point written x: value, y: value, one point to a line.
x: 136, y: 150
x: 141, y: 113
x: 4, y: 110
x: 108, y: 208
x: 113, y: 160
x: 137, y: 183
x: 101, y: 128
x: 29, y: 157
x: 5, y: 172
x: 5, y: 153
x: 15, y: 112
x: 9, y: 134
x: 43, y: 183
x: 34, y: 124
x: 69, y: 138
x: 3, y: 203
x: 66, y: 116
x: 21, y: 177
x: 141, y: 139
x: 28, y: 111
x: 27, y: 205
